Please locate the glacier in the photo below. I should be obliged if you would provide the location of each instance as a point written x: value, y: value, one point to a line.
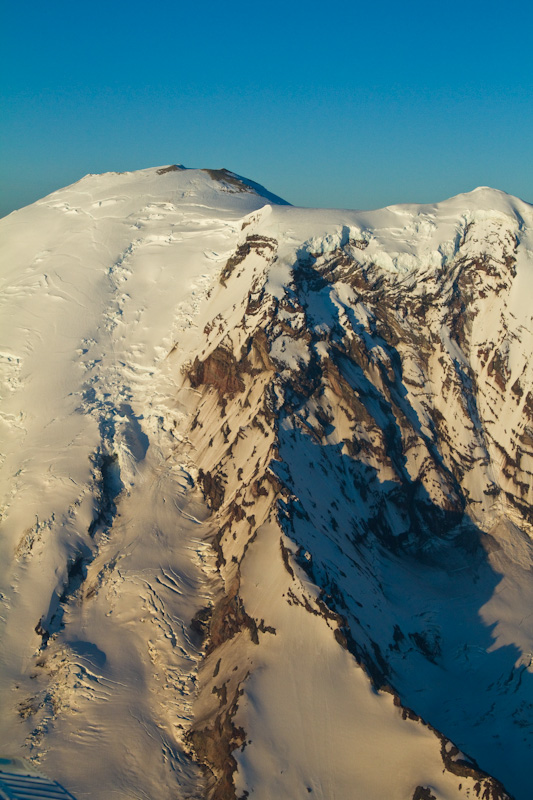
x: 265, y: 492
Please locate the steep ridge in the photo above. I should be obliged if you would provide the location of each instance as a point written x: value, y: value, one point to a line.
x: 347, y: 357
x: 344, y: 611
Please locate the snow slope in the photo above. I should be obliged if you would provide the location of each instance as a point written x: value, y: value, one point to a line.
x: 266, y: 492
x: 103, y: 533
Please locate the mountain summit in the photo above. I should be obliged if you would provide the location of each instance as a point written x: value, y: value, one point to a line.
x: 266, y: 492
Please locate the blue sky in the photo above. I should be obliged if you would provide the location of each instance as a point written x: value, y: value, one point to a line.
x: 339, y: 104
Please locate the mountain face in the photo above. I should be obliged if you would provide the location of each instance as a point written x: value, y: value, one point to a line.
x: 266, y: 493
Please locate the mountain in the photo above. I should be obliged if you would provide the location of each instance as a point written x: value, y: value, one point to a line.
x: 266, y: 493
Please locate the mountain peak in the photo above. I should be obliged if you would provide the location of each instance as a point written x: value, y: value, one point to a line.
x: 173, y: 183
x: 486, y: 198
x: 265, y: 488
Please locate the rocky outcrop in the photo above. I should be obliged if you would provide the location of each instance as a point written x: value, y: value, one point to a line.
x: 385, y: 407
x: 220, y: 370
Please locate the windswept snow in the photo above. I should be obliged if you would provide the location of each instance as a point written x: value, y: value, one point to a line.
x: 103, y: 541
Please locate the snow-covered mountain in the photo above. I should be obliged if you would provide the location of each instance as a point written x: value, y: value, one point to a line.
x: 266, y: 493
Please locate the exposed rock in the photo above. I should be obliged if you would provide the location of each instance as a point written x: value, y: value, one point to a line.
x: 394, y: 458
x: 213, y: 747
x: 423, y: 793
x: 262, y: 245
x: 213, y: 489
x: 220, y: 369
x: 229, y: 618
x: 172, y: 168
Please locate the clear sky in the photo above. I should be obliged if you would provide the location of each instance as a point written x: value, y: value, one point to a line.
x: 338, y: 104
